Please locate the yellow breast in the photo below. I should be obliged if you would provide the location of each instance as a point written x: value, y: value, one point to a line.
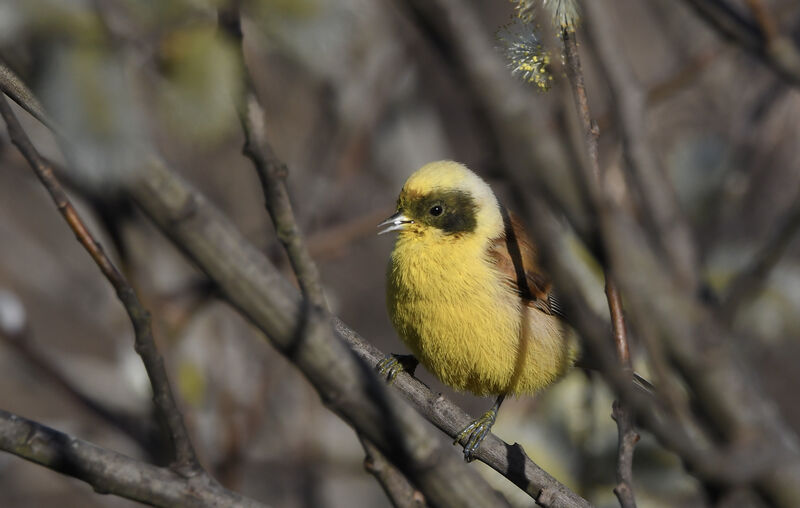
x: 454, y: 312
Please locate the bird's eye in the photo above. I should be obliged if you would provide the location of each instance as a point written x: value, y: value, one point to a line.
x: 436, y: 211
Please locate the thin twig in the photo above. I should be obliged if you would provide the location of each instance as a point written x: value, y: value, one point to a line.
x: 397, y: 488
x: 109, y: 472
x: 271, y: 170
x: 183, y: 454
x: 627, y: 433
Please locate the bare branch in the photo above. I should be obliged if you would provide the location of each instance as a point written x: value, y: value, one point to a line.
x: 183, y: 452
x: 401, y: 493
x: 109, y: 472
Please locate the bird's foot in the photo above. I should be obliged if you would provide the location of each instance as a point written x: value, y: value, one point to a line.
x: 475, y: 432
x: 392, y: 365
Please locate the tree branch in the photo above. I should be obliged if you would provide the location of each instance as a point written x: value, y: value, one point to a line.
x: 109, y: 472
x: 183, y: 454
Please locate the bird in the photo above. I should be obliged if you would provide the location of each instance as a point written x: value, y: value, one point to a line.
x: 467, y: 295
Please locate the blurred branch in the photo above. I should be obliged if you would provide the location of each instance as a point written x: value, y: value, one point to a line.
x: 627, y: 435
x: 109, y: 472
x: 182, y: 450
x: 657, y: 196
x: 401, y: 493
x: 747, y: 284
x: 776, y: 50
x: 15, y: 88
x: 130, y: 425
x: 764, y: 19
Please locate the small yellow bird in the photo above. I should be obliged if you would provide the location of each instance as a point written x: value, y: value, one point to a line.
x: 467, y: 296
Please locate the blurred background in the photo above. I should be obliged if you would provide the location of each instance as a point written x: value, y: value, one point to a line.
x: 358, y: 94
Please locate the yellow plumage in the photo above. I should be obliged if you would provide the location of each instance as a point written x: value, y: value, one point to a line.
x: 449, y: 302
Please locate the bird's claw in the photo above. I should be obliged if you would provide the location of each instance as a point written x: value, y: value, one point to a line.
x: 475, y: 432
x: 392, y: 365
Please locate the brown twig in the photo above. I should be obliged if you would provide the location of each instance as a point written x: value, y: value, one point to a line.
x: 627, y: 433
x: 109, y: 472
x: 397, y: 488
x: 183, y: 454
x: 764, y: 19
x: 271, y: 170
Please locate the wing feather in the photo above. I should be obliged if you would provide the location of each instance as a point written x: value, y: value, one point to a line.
x: 515, y: 256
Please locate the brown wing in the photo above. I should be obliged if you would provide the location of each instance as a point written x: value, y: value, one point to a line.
x: 515, y: 256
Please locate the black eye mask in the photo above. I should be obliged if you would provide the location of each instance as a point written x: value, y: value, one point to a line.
x: 452, y: 211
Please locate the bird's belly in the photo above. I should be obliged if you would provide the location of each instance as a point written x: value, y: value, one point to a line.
x: 478, y: 346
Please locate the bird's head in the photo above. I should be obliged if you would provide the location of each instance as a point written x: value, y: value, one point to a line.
x: 446, y: 200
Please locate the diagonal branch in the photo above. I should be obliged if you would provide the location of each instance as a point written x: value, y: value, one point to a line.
x: 109, y: 472
x: 183, y: 454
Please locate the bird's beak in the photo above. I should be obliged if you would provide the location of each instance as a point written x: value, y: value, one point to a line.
x: 395, y: 222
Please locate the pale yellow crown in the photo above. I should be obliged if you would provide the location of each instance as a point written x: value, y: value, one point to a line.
x: 451, y: 175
